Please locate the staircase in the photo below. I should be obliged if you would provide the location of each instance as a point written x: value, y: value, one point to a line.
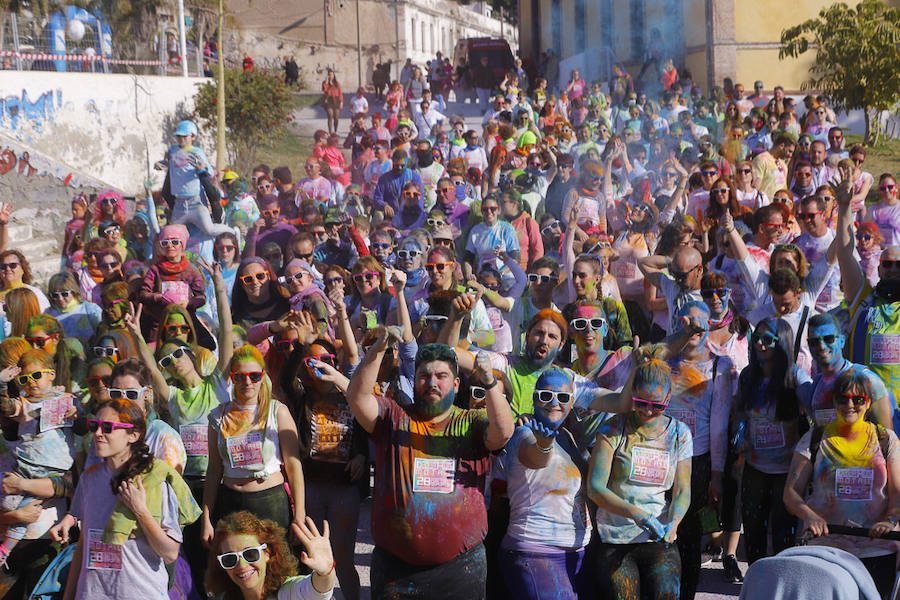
x: 42, y: 253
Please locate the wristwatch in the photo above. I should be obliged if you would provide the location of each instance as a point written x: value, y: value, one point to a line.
x: 490, y: 385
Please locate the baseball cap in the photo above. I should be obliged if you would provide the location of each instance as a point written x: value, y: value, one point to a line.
x: 228, y: 176
x: 186, y: 128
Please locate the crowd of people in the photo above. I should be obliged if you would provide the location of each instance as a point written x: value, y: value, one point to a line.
x: 560, y: 350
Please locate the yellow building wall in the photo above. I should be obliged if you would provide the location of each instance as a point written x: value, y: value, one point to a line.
x: 695, y: 22
x: 763, y: 64
x: 696, y: 64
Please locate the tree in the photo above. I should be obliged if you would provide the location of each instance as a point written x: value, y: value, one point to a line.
x: 257, y: 110
x: 857, y: 57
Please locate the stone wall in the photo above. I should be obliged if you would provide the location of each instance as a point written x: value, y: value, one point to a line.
x: 104, y: 127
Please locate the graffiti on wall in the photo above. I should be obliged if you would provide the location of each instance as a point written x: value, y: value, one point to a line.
x: 18, y: 160
x: 18, y: 108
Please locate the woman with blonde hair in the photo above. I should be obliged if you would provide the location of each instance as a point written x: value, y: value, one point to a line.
x: 15, y: 272
x: 250, y: 438
x: 78, y: 317
x: 20, y: 305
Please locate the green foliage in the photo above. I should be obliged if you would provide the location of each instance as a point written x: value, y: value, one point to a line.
x: 257, y: 110
x: 857, y: 61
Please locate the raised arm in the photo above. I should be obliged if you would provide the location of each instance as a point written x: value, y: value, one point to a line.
x: 568, y: 252
x: 653, y: 268
x: 158, y: 379
x: 398, y: 281
x: 500, y: 419
x: 360, y: 394
x: 852, y: 276
x: 225, y: 336
x: 342, y: 326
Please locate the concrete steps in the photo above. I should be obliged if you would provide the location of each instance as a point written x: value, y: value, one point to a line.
x: 42, y: 253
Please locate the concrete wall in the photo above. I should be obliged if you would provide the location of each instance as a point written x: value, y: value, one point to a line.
x: 98, y: 126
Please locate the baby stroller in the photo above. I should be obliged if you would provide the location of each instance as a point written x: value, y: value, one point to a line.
x: 813, y: 572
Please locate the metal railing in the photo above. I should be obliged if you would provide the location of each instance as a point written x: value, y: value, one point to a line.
x: 85, y: 43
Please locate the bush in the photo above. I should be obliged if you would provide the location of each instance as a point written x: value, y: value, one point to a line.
x: 258, y: 108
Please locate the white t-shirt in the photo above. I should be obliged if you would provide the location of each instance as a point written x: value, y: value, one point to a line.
x: 767, y: 310
x: 753, y: 199
x: 547, y: 506
x: 358, y: 105
x: 815, y: 248
x: 888, y: 220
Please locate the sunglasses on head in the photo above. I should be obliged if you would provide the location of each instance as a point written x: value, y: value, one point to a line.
x: 128, y: 393
x: 407, y: 254
x: 580, y: 324
x: 367, y: 276
x: 106, y: 427
x: 253, y: 376
x: 105, y: 351
x: 845, y: 398
x: 172, y: 243
x: 655, y: 406
x: 542, y: 279
x: 766, y: 340
x: 38, y: 342
x: 248, y: 279
x: 825, y: 339
x: 230, y: 560
x: 439, y: 267
x: 548, y: 396
x: 33, y: 376
x: 721, y: 293
x: 169, y: 359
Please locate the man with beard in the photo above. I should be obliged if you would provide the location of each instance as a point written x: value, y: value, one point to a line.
x: 826, y: 344
x: 874, y: 324
x: 270, y: 228
x: 544, y: 338
x: 770, y: 168
x: 432, y: 459
x: 429, y: 171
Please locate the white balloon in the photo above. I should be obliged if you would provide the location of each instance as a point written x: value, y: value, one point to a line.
x: 75, y: 30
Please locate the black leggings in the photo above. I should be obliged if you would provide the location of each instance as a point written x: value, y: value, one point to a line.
x: 690, y: 531
x: 648, y: 571
x: 461, y: 577
x: 272, y: 504
x: 761, y: 504
x: 883, y: 571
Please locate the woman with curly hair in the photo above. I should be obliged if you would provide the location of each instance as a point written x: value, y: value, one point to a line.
x: 109, y: 206
x: 132, y: 508
x: 15, y: 272
x: 251, y: 560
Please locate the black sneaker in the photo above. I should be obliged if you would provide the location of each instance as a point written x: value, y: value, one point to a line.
x: 732, y: 570
x: 710, y: 555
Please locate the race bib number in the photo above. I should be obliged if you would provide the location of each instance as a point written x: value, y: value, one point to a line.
x: 767, y: 435
x: 626, y: 270
x: 53, y: 412
x: 436, y: 475
x: 884, y: 349
x: 688, y: 417
x: 245, y: 451
x: 649, y: 465
x: 101, y: 556
x: 194, y: 438
x: 824, y: 416
x: 853, y: 483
